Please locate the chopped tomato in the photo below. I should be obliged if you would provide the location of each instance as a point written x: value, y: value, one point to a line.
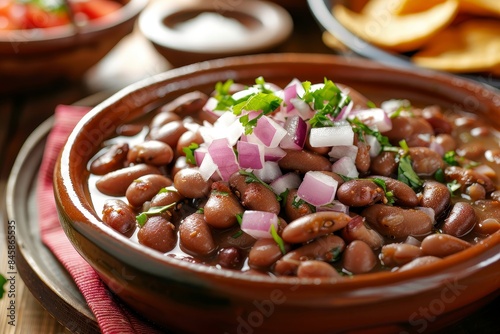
x: 36, y: 17
x: 96, y: 8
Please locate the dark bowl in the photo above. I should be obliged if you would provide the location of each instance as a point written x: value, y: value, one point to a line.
x: 33, y: 58
x: 352, y: 44
x: 169, y: 291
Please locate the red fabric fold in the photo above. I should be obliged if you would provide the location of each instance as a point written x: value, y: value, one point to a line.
x: 112, y: 316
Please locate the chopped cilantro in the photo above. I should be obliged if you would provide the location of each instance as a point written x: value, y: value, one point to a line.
x: 169, y: 189
x: 262, y: 102
x: 335, y: 253
x: 439, y: 175
x: 453, y: 186
x: 200, y: 210
x: 450, y: 158
x: 407, y: 175
x: 327, y: 101
x: 371, y: 104
x: 261, y: 84
x: 388, y: 194
x: 361, y: 128
x: 297, y: 202
x: 223, y: 96
x: 3, y: 280
x: 237, y: 234
x: 155, y: 210
x: 189, y: 152
x: 279, y: 241
x: 239, y: 218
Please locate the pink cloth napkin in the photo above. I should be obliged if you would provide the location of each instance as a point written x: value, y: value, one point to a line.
x: 112, y: 316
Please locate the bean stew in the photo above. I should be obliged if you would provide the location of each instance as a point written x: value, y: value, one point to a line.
x: 308, y: 180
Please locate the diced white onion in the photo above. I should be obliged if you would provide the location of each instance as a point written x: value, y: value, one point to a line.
x: 339, y: 134
x: 287, y: 181
x: 375, y: 146
x: 375, y: 118
x: 207, y: 167
x: 345, y: 166
x: 338, y: 152
x: 269, y: 171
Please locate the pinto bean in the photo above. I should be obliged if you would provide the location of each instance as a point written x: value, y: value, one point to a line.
x: 359, y: 258
x: 488, y: 213
x: 442, y: 245
x: 118, y: 215
x: 152, y: 152
x: 304, y: 161
x: 404, y: 194
x: 114, y: 158
x: 230, y: 258
x: 435, y: 118
x: 420, y: 262
x: 294, y: 208
x: 384, y: 164
x: 190, y: 183
x: 363, y: 159
x: 358, y: 99
x: 410, y: 129
x: 186, y: 104
x: 357, y: 230
x: 180, y: 163
x: 461, y: 220
x: 325, y: 248
x: 436, y: 196
x: 168, y: 133
x: 163, y: 118
x: 116, y: 183
x: 195, y: 237
x: 397, y: 223
x: 169, y: 196
x: 187, y: 138
x: 467, y: 177
x: 472, y: 151
x: 222, y: 207
x: 446, y: 141
x: 264, y: 253
x: 359, y: 192
x: 145, y: 188
x: 476, y: 192
x: 425, y: 162
x: 316, y: 269
x: 158, y: 233
x: 314, y: 225
x: 254, y: 196
x: 398, y: 254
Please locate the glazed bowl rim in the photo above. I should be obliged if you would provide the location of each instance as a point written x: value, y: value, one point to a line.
x: 86, y: 222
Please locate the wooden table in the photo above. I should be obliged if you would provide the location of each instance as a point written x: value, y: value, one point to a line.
x: 132, y: 59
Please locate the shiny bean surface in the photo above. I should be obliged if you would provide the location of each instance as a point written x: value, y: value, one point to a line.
x: 359, y: 192
x: 114, y: 158
x: 222, y: 207
x: 359, y: 258
x: 436, y: 196
x: 314, y: 225
x: 442, y: 245
x: 264, y: 253
x: 115, y: 183
x: 152, y: 152
x: 461, y: 220
x: 403, y: 194
x: 304, y: 161
x: 118, y: 215
x: 190, y: 183
x: 158, y: 233
x: 195, y: 237
x: 316, y: 269
x: 357, y: 230
x: 145, y: 188
x: 398, y: 254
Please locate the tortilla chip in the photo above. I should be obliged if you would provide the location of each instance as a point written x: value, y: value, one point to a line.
x: 415, y: 6
x: 473, y: 46
x: 481, y: 7
x: 396, y: 32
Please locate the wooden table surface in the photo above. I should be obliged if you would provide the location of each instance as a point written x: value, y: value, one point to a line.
x: 132, y: 59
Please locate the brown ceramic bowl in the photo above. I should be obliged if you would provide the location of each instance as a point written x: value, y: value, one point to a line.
x: 169, y: 291
x: 37, y: 57
x: 195, y: 30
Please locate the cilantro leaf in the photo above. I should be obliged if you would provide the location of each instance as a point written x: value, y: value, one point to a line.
x: 388, y: 194
x: 251, y: 178
x: 361, y: 128
x: 327, y: 101
x: 279, y: 241
x: 263, y: 102
x: 155, y: 210
x: 189, y: 152
x: 450, y: 158
x: 223, y: 96
x: 261, y: 84
x: 407, y: 175
x: 453, y: 186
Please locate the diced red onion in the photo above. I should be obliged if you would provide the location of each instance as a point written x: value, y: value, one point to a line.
x: 375, y: 146
x: 339, y: 134
x: 258, y: 223
x: 317, y: 188
x: 269, y: 172
x: 289, y: 93
x: 335, y: 205
x: 287, y: 181
x: 338, y: 152
x: 344, y: 113
x: 345, y: 166
x: 303, y: 109
x: 375, y: 118
x: 269, y: 132
x: 296, y: 133
x: 436, y: 147
x: 273, y: 154
x: 199, y: 154
x: 250, y: 155
x: 223, y: 156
